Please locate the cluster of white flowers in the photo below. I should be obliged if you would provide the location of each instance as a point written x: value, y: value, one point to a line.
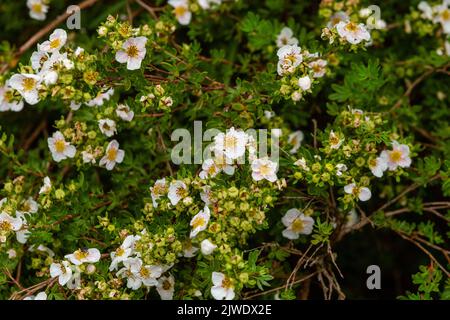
x: 138, y: 274
x: 391, y: 159
x: 68, y: 271
x: 45, y: 62
x: 291, y: 58
x: 437, y: 14
x: 182, y: 12
x: 38, y: 9
x: 229, y: 149
x: 347, y: 30
x: 18, y: 222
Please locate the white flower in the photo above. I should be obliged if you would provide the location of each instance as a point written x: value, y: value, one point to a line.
x: 100, y: 98
x: 189, y: 250
x: 11, y: 253
x: 181, y: 11
x: 222, y: 287
x: 352, y: 32
x: 304, y: 83
x: 38, y: 9
x: 295, y: 138
x: 130, y: 271
x: 362, y: 193
x: 166, y: 287
x: 286, y: 37
x: 290, y: 58
x: 74, y: 105
x: 200, y: 221
x: 88, y: 157
x: 206, y: 4
x: 207, y: 247
x: 38, y: 58
x: 6, y: 102
x: 149, y: 274
x: 340, y: 168
x: 209, y: 169
x: 335, y: 140
x: 112, y: 155
x: 107, y: 127
x: 222, y: 163
x: 318, y: 67
x: 269, y: 114
x: 81, y: 256
x: 378, y: 166
x: 397, y: 157
x: 427, y: 11
x: 264, y: 169
x: 8, y: 223
x: 232, y: 144
x: 23, y: 234
x: 46, y: 187
x: 27, y: 85
x: 123, y: 252
x: 296, y: 223
x: 177, y: 191
x: 351, y: 219
x: 40, y: 296
x: 56, y: 41
x: 59, y: 148
x: 124, y: 112
x: 206, y: 195
x: 336, y: 18
x: 29, y: 206
x: 302, y: 164
x: 158, y: 190
x: 78, y: 51
x: 61, y: 270
x: 133, y: 52
x: 443, y: 17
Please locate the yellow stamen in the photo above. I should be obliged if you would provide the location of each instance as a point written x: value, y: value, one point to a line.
x: 111, y: 154
x: 297, y: 225
x: 198, y: 222
x: 60, y: 146
x: 28, y: 84
x: 132, y: 51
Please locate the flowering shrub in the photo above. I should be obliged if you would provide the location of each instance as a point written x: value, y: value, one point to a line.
x: 322, y: 149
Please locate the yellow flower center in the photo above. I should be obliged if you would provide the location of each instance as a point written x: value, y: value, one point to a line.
x: 5, y: 225
x: 355, y: 191
x: 297, y: 225
x: 80, y: 254
x: 230, y: 142
x: 158, y: 189
x: 132, y: 51
x: 120, y: 252
x: 37, y: 7
x: 28, y: 84
x: 395, y: 155
x: 181, y: 192
x: 212, y: 170
x: 198, y: 222
x: 334, y: 139
x: 372, y: 163
x: 445, y: 15
x: 55, y: 43
x: 265, y: 169
x: 111, y: 154
x: 144, y: 272
x: 226, y: 283
x: 180, y: 11
x: 60, y: 146
x: 352, y: 27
